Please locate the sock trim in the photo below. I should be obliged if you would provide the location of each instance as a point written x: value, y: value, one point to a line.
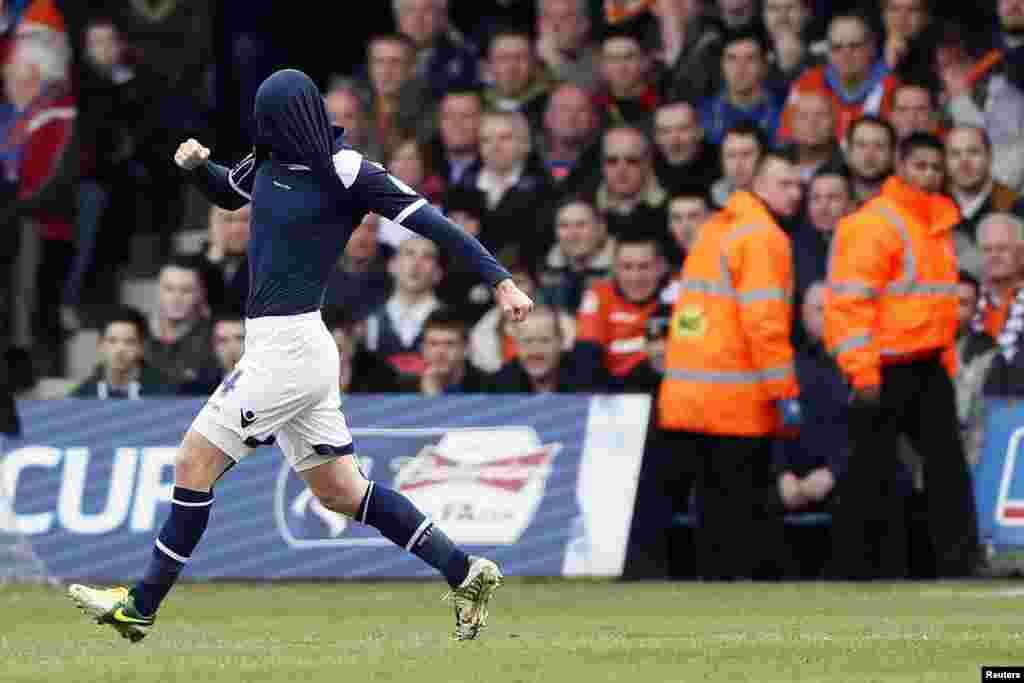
x: 419, y: 532
x: 191, y: 495
x: 187, y: 504
x: 170, y: 553
x: 366, y: 503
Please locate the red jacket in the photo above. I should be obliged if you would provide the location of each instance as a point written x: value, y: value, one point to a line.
x: 47, y: 132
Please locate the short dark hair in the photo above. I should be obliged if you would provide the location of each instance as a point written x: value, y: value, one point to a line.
x: 511, y: 31
x: 833, y: 170
x: 626, y: 30
x: 577, y: 199
x: 640, y: 237
x: 338, y: 317
x: 692, y: 193
x: 129, y: 315
x: 965, y: 278
x: 872, y: 120
x: 466, y: 199
x: 181, y: 261
x: 748, y: 128
x: 920, y: 140
x: 227, y: 316
x: 447, y: 318
x: 739, y: 35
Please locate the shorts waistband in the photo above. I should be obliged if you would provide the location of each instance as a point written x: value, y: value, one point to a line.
x: 278, y: 322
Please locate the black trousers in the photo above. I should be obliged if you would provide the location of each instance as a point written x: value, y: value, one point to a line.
x: 740, y: 532
x: 869, y: 522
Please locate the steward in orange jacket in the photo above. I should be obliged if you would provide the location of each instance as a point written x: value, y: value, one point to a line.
x: 730, y: 383
x: 891, y: 317
x: 728, y: 357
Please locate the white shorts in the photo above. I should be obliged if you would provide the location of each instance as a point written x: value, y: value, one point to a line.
x: 284, y: 390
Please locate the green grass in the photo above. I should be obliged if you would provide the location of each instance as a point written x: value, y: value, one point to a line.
x: 551, y: 631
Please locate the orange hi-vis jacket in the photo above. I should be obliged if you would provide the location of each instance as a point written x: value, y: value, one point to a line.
x: 892, y: 283
x: 728, y: 357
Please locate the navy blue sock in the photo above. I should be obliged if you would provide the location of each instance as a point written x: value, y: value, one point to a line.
x: 190, y: 511
x: 399, y: 521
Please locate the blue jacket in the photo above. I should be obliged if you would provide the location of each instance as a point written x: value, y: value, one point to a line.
x: 824, y: 439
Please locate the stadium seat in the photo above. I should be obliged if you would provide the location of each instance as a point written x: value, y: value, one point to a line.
x: 189, y: 241
x: 140, y: 293
x: 50, y: 387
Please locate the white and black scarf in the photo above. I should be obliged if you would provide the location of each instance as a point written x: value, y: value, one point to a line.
x: 1012, y: 332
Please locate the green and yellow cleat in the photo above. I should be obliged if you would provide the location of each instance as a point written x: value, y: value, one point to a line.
x: 115, y: 607
x: 471, y: 597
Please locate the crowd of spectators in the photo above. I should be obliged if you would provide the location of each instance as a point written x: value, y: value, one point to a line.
x: 583, y: 142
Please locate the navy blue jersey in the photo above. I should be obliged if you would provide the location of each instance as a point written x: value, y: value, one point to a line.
x: 300, y: 227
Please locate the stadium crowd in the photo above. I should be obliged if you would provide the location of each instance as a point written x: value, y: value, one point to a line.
x: 591, y: 145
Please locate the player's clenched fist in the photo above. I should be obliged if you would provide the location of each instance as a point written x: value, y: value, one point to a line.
x: 513, y: 302
x: 191, y: 154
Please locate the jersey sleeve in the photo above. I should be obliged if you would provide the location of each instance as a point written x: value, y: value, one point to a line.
x: 387, y: 196
x: 228, y: 188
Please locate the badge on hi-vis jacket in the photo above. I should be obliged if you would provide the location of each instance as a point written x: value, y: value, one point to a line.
x: 689, y: 322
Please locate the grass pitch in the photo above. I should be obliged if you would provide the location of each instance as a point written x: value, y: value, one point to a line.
x: 540, y: 630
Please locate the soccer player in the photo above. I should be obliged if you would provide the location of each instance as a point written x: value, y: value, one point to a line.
x: 308, y: 190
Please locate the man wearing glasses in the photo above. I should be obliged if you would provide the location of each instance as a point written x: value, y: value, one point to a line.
x: 630, y: 196
x: 855, y: 77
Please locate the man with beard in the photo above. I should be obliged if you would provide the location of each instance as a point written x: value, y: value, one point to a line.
x: 870, y: 151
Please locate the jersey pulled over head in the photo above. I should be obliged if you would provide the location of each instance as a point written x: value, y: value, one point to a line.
x: 292, y: 122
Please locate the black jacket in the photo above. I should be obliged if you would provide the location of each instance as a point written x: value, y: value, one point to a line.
x: 151, y: 382
x: 474, y: 382
x: 511, y: 378
x: 372, y: 375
